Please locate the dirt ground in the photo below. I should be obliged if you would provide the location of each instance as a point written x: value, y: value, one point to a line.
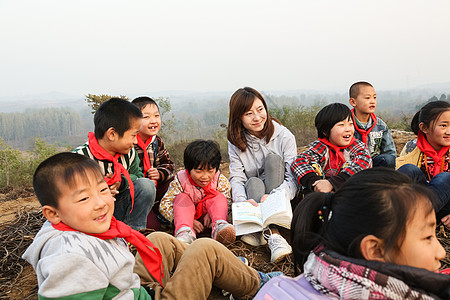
x: 20, y: 220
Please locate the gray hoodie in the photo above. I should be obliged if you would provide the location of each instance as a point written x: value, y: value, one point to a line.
x: 250, y: 163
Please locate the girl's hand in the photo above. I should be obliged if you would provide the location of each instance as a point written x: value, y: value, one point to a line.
x: 153, y: 174
x: 207, y: 221
x: 323, y: 186
x: 264, y: 197
x: 198, y: 226
x: 252, y: 202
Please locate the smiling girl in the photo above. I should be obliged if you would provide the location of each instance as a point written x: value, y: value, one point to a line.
x: 335, y: 156
x: 261, y: 151
x: 426, y: 159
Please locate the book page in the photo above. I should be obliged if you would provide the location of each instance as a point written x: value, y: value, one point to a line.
x: 274, y: 203
x: 245, y: 212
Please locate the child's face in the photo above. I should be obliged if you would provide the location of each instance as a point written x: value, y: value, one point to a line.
x: 151, y: 121
x: 255, y: 119
x: 421, y: 248
x: 342, y: 132
x: 87, y: 205
x: 366, y: 101
x: 125, y: 143
x: 202, y: 177
x: 439, y: 134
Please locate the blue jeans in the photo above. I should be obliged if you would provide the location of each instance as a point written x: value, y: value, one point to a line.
x: 274, y: 176
x: 144, y: 197
x: 384, y: 160
x: 440, y: 184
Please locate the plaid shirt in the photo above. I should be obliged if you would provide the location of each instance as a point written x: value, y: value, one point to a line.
x: 315, y: 160
x: 159, y: 159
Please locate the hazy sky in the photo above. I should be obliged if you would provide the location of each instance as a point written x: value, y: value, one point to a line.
x: 132, y: 47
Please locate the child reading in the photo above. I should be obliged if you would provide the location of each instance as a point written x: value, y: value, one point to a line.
x: 369, y: 128
x: 261, y: 151
x: 197, y: 197
x: 335, y: 156
x: 81, y: 251
x: 426, y: 159
x: 155, y: 161
x: 111, y: 145
x: 372, y: 239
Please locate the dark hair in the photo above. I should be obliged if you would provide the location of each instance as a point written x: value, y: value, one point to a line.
x: 378, y: 201
x: 240, y: 103
x: 428, y: 114
x: 354, y: 88
x: 143, y: 101
x: 116, y: 113
x: 328, y: 116
x: 61, y: 168
x: 200, y: 154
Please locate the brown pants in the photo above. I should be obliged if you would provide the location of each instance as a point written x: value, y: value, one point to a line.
x: 196, y: 268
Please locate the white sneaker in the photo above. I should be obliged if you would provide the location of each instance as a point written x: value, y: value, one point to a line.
x: 279, y: 247
x: 254, y: 239
x: 185, y: 235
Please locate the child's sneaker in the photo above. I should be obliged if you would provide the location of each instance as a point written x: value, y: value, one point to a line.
x: 254, y: 239
x: 185, y: 235
x: 223, y: 232
x: 279, y: 247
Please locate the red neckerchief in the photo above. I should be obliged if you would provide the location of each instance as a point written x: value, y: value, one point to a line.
x: 364, y: 133
x: 438, y: 157
x: 151, y: 256
x: 102, y: 154
x: 144, y: 145
x: 337, y: 158
x: 209, y: 193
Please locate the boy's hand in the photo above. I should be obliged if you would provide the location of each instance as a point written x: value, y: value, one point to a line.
x: 153, y: 174
x: 323, y: 186
x: 207, y: 221
x: 114, y: 188
x: 198, y: 226
x: 446, y: 221
x: 252, y: 202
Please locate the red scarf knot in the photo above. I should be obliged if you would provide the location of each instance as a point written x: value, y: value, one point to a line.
x: 209, y: 193
x: 437, y: 156
x: 364, y: 133
x: 337, y: 158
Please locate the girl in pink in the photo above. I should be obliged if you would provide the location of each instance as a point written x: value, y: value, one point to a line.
x: 198, y: 197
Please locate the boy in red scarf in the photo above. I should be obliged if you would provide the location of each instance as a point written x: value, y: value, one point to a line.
x: 369, y: 129
x: 81, y: 251
x: 198, y: 197
x: 116, y: 125
x: 335, y: 156
x: 155, y: 161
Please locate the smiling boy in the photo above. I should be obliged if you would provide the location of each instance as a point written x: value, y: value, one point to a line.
x: 368, y: 128
x: 117, y: 123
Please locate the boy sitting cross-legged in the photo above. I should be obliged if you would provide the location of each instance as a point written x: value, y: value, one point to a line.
x: 199, y: 195
x: 117, y: 123
x: 81, y: 251
x: 370, y: 129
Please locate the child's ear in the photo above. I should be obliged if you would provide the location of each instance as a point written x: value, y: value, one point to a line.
x: 372, y: 248
x: 423, y: 128
x: 111, y: 134
x: 352, y: 102
x: 51, y: 214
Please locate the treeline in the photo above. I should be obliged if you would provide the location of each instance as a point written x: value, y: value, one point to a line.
x: 45, y: 122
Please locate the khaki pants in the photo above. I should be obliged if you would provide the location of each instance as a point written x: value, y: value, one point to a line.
x: 196, y: 268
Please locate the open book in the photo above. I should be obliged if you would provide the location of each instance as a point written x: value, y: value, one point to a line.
x: 276, y: 209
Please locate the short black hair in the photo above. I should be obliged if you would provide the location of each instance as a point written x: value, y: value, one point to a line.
x: 201, y: 153
x: 143, y: 101
x: 116, y: 113
x: 353, y: 91
x: 328, y: 116
x: 57, y: 169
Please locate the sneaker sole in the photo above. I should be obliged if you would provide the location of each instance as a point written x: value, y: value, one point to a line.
x: 253, y: 242
x: 226, y: 236
x: 281, y: 257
